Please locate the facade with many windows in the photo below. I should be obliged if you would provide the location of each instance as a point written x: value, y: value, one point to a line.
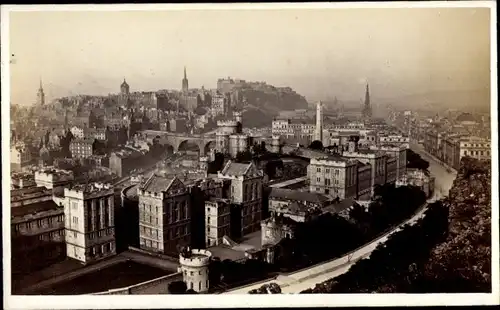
x: 37, y: 230
x: 89, y: 222
x: 218, y: 220
x: 246, y: 191
x: 164, y: 214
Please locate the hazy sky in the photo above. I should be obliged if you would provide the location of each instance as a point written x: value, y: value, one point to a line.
x: 319, y: 53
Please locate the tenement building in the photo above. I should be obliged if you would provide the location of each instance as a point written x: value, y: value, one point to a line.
x: 164, y: 214
x: 376, y: 159
x: 90, y: 221
x: 37, y: 230
x: 395, y: 151
x: 246, y: 191
x: 334, y: 176
x: 297, y: 205
x: 55, y: 179
x: 218, y: 220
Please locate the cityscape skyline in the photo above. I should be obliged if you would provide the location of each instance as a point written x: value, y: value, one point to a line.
x: 153, y: 61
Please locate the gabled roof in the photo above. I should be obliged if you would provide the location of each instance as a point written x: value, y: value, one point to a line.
x: 158, y: 183
x: 236, y: 169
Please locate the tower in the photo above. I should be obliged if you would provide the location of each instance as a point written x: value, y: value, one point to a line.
x: 124, y: 88
x: 185, y: 84
x: 367, y: 110
x: 318, y: 134
x: 194, y: 267
x: 40, y: 95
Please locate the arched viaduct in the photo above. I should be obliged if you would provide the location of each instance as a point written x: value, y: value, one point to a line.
x: 178, y: 140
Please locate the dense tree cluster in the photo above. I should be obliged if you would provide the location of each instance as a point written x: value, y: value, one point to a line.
x: 394, y: 265
x: 462, y: 263
x: 227, y: 273
x: 316, y: 145
x: 415, y: 161
x: 391, y: 206
x: 447, y: 251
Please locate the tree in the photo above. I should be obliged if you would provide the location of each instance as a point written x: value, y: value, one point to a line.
x: 316, y: 145
x: 415, y: 161
x: 177, y: 287
x: 243, y: 157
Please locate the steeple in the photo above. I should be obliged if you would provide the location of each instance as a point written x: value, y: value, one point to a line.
x: 367, y: 109
x: 40, y: 94
x: 185, y: 83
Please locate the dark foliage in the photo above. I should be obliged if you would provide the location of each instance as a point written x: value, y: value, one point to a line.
x: 316, y: 145
x: 177, y: 287
x: 415, y: 161
x: 217, y: 164
x: 394, y: 265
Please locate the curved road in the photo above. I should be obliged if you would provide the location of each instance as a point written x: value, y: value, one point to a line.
x: 308, y: 278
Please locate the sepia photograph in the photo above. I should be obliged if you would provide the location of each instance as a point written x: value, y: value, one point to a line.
x: 249, y: 149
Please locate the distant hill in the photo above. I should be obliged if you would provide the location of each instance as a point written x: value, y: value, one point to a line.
x: 260, y: 102
x: 465, y: 100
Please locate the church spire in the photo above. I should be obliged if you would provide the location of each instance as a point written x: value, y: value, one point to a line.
x: 40, y: 94
x: 367, y: 108
x: 185, y: 83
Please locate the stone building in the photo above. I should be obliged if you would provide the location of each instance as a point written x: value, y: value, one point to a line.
x: 218, y: 220
x: 125, y: 160
x: 297, y: 205
x: 194, y: 267
x: 20, y: 157
x: 37, y: 230
x: 420, y: 179
x: 333, y: 175
x: 363, y: 181
x: 164, y: 214
x: 81, y: 148
x: 90, y: 222
x: 54, y: 179
x: 21, y: 180
x: 276, y: 228
x: 246, y: 190
x: 395, y: 151
x: 376, y: 159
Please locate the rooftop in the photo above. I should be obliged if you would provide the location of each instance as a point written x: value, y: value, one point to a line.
x: 236, y: 169
x: 90, y: 187
x: 34, y: 208
x: 290, y: 194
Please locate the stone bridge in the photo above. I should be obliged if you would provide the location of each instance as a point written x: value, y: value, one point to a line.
x: 178, y: 141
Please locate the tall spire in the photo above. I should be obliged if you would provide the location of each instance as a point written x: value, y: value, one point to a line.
x: 40, y: 95
x: 367, y: 96
x: 367, y: 109
x: 185, y: 83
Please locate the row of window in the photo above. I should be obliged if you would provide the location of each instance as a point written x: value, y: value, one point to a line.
x: 51, y: 236
x: 101, y: 233
x: 100, y: 249
x: 191, y: 273
x: 169, y: 233
x: 50, y: 221
x: 476, y: 153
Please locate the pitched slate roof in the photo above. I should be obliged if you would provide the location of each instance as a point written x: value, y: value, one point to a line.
x: 158, y: 183
x: 236, y: 169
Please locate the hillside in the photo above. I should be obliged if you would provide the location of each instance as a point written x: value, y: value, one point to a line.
x: 462, y: 263
x: 260, y: 102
